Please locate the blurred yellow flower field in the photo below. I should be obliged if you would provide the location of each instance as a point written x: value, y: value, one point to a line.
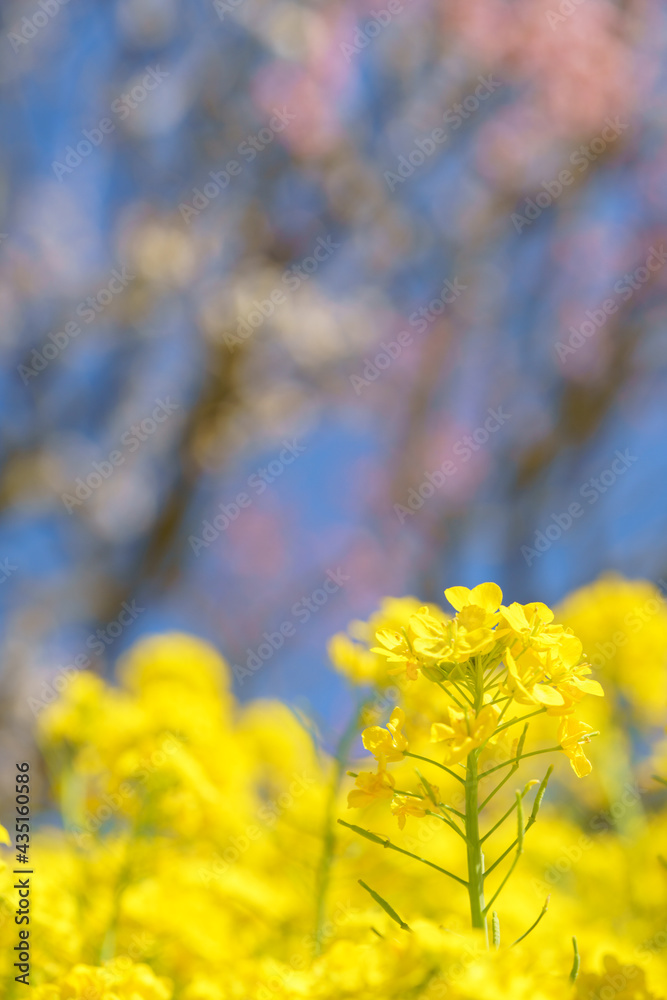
x: 199, y: 854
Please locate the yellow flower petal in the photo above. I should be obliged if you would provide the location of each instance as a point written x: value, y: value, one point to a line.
x: 440, y: 731
x: 548, y: 695
x: 487, y: 595
x: 485, y: 723
x: 458, y: 597
x: 590, y: 687
x: 581, y: 765
x: 396, y: 719
x: 357, y: 798
x: 375, y: 738
x: 425, y: 626
x: 515, y: 617
x: 389, y: 638
x: 544, y: 613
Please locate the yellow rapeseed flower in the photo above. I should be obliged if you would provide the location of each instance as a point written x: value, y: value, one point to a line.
x: 550, y: 678
x: 369, y: 786
x: 387, y: 744
x: 403, y: 806
x: 571, y: 735
x: 120, y: 979
x: 464, y: 731
x: 455, y: 641
x: 396, y: 648
x: 486, y: 596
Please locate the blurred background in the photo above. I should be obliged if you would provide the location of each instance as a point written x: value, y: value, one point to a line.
x: 308, y: 303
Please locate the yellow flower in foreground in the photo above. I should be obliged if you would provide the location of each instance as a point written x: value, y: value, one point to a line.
x: 553, y: 678
x: 471, y: 632
x: 119, y: 979
x: 629, y: 982
x: 454, y: 641
x: 571, y: 734
x: 572, y: 683
x: 397, y: 650
x: 370, y: 786
x: 465, y: 731
x: 526, y: 619
x: 523, y: 679
x: 486, y: 596
x: 4, y: 836
x: 407, y: 805
x: 386, y: 744
x: 531, y: 625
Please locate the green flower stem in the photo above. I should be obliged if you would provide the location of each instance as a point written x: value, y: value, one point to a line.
x: 501, y: 858
x: 500, y: 717
x: 384, y: 842
x: 503, y: 817
x: 533, y: 926
x: 519, y: 852
x: 449, y: 822
x: 451, y: 809
x: 453, y: 697
x: 474, y: 848
x: 515, y: 760
x: 496, y: 789
x: 323, y: 874
x: 531, y: 819
x: 406, y: 753
x: 462, y: 693
x: 513, y: 770
x: 513, y: 722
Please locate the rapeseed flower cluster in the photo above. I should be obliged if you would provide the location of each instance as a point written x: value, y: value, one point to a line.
x: 197, y: 854
x: 488, y: 659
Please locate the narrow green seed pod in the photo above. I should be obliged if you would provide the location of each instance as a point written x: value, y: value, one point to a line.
x: 385, y: 905
x: 364, y: 833
x: 495, y: 928
x: 540, y: 794
x: 577, y: 961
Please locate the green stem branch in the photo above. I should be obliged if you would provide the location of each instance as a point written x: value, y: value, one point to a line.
x: 474, y: 848
x: 428, y: 760
x: 384, y: 842
x: 507, y: 763
x: 512, y: 722
x: 448, y: 821
x: 519, y: 852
